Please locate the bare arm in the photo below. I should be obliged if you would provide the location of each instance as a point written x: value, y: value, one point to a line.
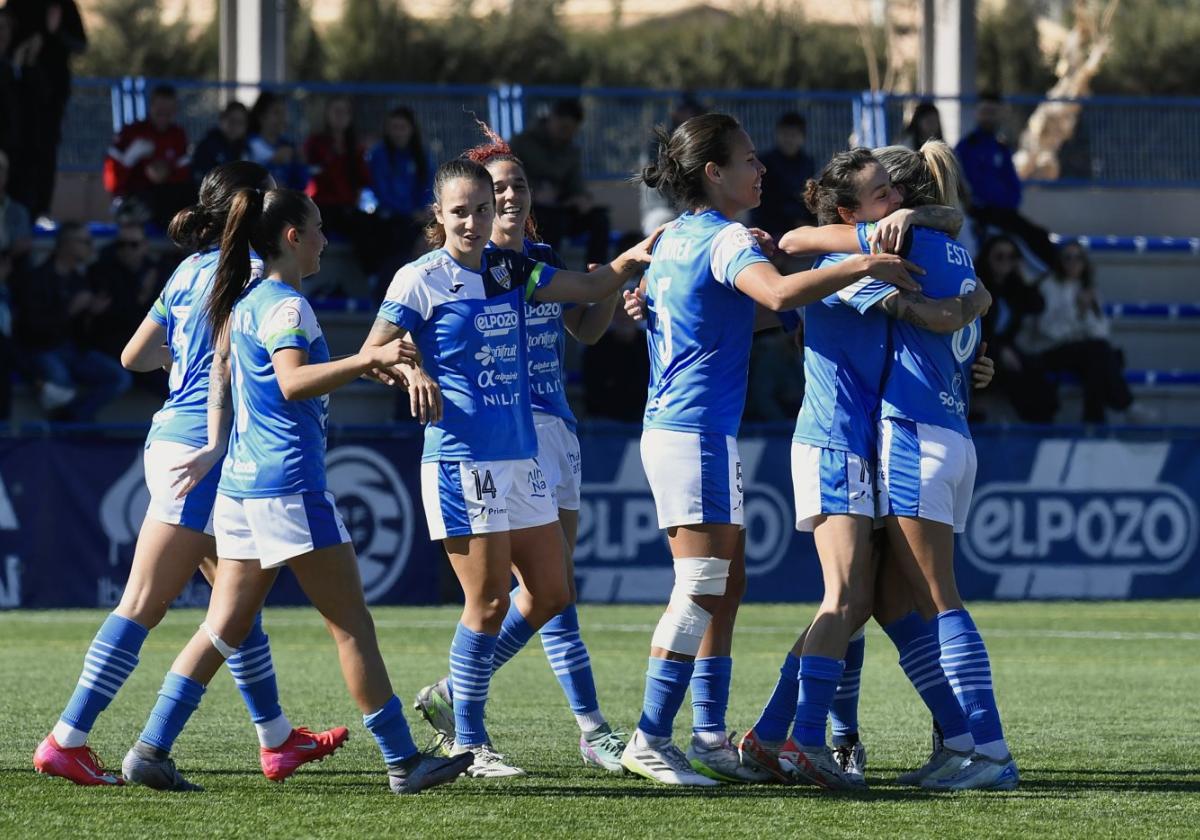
x: 190, y: 470
x: 765, y: 285
x: 146, y: 350
x: 595, y: 286
x: 939, y: 315
x: 587, y: 324
x: 827, y: 239
x: 299, y: 380
x: 424, y: 394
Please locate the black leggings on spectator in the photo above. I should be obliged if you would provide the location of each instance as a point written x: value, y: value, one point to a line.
x: 556, y: 223
x: 1100, y: 369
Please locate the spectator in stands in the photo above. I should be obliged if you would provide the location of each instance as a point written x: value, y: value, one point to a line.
x: 924, y: 125
x: 10, y: 100
x: 337, y: 174
x: 789, y: 167
x: 655, y: 209
x: 148, y: 161
x: 1016, y: 303
x: 224, y: 143
x: 995, y: 188
x: 1072, y: 335
x: 128, y: 276
x: 51, y: 305
x: 16, y: 232
x: 401, y: 176
x: 46, y: 33
x: 271, y: 147
x: 615, y: 372
x: 562, y: 204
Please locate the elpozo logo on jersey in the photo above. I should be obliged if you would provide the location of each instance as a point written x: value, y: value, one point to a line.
x: 377, y: 511
x: 496, y: 320
x: 1092, y: 516
x: 622, y: 555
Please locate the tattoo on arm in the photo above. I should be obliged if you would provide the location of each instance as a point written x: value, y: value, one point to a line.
x: 938, y: 217
x: 382, y: 331
x: 902, y: 307
x: 219, y: 387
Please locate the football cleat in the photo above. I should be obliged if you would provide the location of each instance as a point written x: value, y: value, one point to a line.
x: 762, y: 755
x: 602, y: 747
x: 723, y: 763
x: 436, y: 705
x: 664, y: 763
x: 815, y: 767
x: 154, y: 768
x: 301, y: 747
x: 852, y: 758
x: 80, y: 765
x: 486, y: 763
x: 428, y: 771
x: 979, y: 773
x: 943, y: 761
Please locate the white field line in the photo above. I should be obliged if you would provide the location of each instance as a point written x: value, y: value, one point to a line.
x: 278, y: 619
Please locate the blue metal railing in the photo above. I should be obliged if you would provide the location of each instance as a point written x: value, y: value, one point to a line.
x: 1118, y: 141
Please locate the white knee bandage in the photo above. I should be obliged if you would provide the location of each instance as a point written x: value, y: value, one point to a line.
x: 682, y: 627
x: 222, y: 648
x: 700, y: 576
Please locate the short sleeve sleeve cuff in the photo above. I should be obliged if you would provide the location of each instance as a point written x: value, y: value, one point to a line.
x: 158, y: 312
x: 291, y: 324
x: 733, y: 249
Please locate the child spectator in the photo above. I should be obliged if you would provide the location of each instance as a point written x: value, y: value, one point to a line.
x: 224, y: 143
x: 148, y: 161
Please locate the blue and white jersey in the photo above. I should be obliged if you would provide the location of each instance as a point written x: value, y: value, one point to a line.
x: 845, y: 357
x: 278, y: 446
x: 180, y: 310
x: 547, y: 346
x: 698, y: 325
x: 470, y: 328
x: 929, y: 375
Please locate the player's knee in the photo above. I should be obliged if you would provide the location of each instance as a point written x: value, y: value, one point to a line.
x: 141, y: 606
x: 226, y: 634
x: 491, y: 608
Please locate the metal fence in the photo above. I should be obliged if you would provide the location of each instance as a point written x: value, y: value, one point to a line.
x: 1118, y: 141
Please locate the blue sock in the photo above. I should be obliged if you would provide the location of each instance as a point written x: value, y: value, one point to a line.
x: 109, y: 661
x: 666, y: 683
x: 919, y: 655
x: 390, y: 730
x: 843, y: 712
x: 515, y: 633
x: 254, y: 674
x: 471, y: 657
x: 818, y: 679
x: 177, y: 699
x: 780, y: 711
x: 569, y: 661
x: 710, y: 693
x: 965, y: 662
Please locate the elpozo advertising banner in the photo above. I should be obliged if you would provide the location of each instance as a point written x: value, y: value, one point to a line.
x: 1054, y: 516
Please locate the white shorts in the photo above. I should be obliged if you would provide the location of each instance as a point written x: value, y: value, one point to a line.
x: 558, y: 456
x: 696, y: 477
x: 276, y: 529
x: 195, y: 510
x: 485, y: 497
x: 829, y: 482
x: 925, y: 471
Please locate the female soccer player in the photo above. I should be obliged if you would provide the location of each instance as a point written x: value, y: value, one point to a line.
x: 833, y: 470
x: 707, y: 276
x: 558, y: 456
x: 176, y: 535
x: 487, y: 499
x: 927, y: 470
x: 272, y: 507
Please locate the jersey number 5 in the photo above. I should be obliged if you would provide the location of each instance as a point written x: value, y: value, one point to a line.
x: 663, y: 316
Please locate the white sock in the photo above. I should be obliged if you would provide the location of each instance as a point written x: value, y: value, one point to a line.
x: 709, y: 739
x: 995, y: 750
x: 653, y: 740
x: 960, y: 743
x: 68, y: 736
x: 590, y: 721
x: 274, y: 732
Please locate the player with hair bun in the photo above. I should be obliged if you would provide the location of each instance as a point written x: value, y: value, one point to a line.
x: 558, y: 456
x: 176, y: 537
x: 487, y: 498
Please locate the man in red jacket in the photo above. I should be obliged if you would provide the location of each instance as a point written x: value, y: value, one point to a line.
x: 148, y: 161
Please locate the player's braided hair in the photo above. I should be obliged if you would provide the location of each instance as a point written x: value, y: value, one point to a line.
x: 201, y: 225
x: 678, y: 170
x: 837, y: 185
x: 495, y: 150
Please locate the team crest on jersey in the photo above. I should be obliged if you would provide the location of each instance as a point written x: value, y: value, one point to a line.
x: 501, y: 276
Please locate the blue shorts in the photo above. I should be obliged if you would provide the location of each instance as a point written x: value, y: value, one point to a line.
x: 195, y: 510
x: 276, y: 529
x: 830, y: 482
x: 696, y: 477
x: 925, y: 471
x: 462, y: 498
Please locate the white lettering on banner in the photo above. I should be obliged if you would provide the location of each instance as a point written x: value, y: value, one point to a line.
x: 621, y: 553
x: 377, y: 511
x: 10, y: 585
x: 1092, y: 515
